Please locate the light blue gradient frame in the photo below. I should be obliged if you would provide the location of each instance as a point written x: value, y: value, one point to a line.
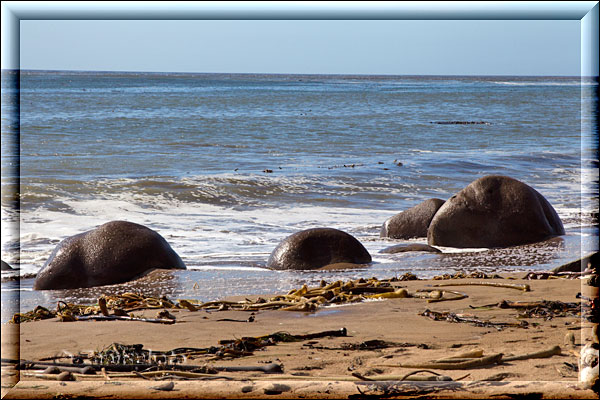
x: 585, y: 11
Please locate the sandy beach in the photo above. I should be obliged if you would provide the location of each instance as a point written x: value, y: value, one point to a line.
x: 380, y: 336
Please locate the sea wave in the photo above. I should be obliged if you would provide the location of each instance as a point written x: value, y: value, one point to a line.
x: 545, y: 83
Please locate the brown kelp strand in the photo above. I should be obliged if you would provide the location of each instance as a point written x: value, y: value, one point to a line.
x: 304, y: 299
x: 524, y: 287
x: 131, y: 358
x: 546, y: 309
x: 120, y: 305
x: 452, y: 317
x: 533, y: 275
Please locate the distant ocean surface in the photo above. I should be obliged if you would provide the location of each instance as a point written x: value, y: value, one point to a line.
x: 191, y: 155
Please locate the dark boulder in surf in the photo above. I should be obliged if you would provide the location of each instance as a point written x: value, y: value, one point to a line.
x: 115, y: 252
x: 6, y: 266
x: 316, y: 248
x: 413, y: 222
x: 494, y: 211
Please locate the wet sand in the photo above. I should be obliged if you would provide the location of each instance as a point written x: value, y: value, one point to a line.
x: 324, y: 367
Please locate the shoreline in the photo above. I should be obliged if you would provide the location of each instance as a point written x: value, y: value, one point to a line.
x: 404, y: 336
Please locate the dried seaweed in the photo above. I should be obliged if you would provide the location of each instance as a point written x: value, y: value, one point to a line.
x: 524, y: 287
x: 546, y: 309
x: 303, y: 299
x: 452, y: 317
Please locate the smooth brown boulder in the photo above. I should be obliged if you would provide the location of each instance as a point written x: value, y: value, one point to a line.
x: 315, y: 248
x: 582, y: 264
x: 7, y: 267
x: 413, y: 222
x: 115, y: 252
x: 494, y: 211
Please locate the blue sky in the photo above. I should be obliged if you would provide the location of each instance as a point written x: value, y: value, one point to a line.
x: 427, y: 47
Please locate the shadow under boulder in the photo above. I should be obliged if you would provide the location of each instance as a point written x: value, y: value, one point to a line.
x: 316, y: 248
x: 403, y: 248
x: 115, y: 252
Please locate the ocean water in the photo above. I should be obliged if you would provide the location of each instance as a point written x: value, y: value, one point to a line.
x: 225, y: 166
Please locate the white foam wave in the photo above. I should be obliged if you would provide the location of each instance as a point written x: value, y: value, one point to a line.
x: 198, y: 232
x: 225, y: 268
x: 455, y: 250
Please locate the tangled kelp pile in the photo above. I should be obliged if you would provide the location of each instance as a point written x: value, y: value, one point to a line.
x: 545, y: 309
x: 119, y: 358
x: 303, y: 299
x: 122, y: 306
x: 227, y: 348
x: 453, y: 317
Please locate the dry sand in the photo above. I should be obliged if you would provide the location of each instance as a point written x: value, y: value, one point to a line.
x: 322, y: 368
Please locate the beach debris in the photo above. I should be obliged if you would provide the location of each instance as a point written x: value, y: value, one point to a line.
x: 464, y: 275
x: 556, y: 275
x: 166, y: 387
x: 452, y: 317
x: 461, y: 356
x: 37, y: 314
x: 167, y: 321
x: 374, y: 344
x: 468, y: 364
x: 476, y: 359
x: 500, y: 376
x: 408, y: 377
x: 553, y: 351
x: 525, y: 287
x: 135, y: 360
x: 303, y: 299
x: 457, y: 296
x: 63, y: 376
x: 546, y: 309
x: 121, y: 305
x: 386, y: 389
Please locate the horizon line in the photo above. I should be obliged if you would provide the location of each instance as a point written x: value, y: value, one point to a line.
x: 283, y: 73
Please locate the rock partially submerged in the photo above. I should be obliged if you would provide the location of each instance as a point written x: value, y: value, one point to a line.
x: 588, y: 262
x: 7, y: 267
x: 115, y: 252
x: 494, y: 211
x: 411, y: 223
x: 316, y: 248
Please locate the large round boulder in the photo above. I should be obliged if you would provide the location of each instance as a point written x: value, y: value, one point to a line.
x: 411, y: 223
x: 115, y: 252
x: 316, y: 248
x: 494, y: 211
